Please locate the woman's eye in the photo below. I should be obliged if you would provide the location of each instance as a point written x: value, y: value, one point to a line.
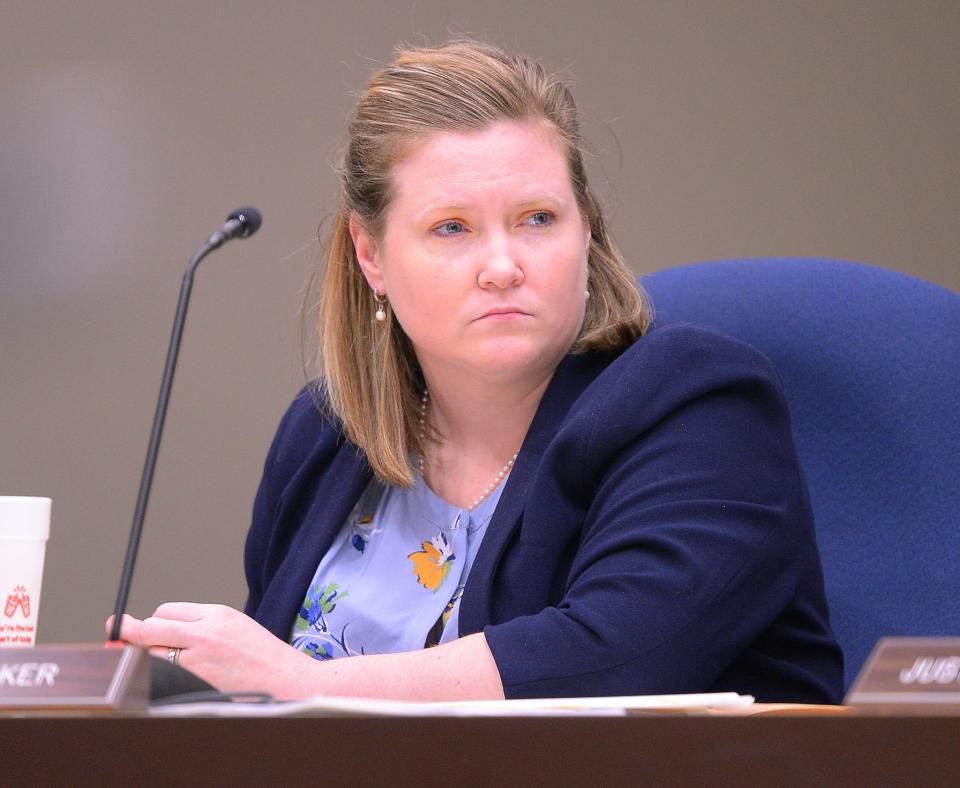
x: 450, y: 228
x: 539, y: 219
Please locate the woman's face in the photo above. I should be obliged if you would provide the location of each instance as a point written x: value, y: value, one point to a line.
x: 484, y: 252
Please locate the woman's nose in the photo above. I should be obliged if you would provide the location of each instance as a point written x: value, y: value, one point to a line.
x: 501, y: 265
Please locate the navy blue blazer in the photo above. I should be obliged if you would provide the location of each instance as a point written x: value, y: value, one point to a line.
x: 654, y: 536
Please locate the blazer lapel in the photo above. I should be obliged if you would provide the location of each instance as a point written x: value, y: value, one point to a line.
x: 573, y: 375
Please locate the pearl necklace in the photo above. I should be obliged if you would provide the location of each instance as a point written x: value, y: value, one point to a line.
x: 497, y: 480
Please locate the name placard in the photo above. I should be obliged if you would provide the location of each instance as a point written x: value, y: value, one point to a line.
x: 909, y: 670
x: 84, y: 678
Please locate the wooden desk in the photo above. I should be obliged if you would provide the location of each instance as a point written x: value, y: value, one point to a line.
x: 339, y: 752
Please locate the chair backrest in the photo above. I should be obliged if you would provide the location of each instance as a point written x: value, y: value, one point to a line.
x: 870, y: 361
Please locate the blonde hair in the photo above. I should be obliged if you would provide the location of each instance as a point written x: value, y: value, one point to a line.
x: 369, y: 372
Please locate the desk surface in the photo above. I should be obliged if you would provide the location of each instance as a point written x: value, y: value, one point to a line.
x: 603, y: 751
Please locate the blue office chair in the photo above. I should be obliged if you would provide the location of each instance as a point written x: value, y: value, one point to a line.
x: 870, y: 361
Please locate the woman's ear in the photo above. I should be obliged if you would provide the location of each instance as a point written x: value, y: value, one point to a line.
x: 366, y: 250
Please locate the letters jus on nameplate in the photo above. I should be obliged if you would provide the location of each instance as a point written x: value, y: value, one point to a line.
x: 932, y: 670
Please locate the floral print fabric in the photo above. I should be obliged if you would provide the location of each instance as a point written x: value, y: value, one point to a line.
x: 393, y: 578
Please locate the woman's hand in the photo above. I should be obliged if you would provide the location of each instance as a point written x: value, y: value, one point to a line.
x: 234, y: 653
x: 221, y: 645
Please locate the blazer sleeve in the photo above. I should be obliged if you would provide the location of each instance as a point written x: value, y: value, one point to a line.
x: 679, y: 474
x: 298, y: 428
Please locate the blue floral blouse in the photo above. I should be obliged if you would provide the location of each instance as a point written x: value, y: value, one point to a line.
x: 393, y: 578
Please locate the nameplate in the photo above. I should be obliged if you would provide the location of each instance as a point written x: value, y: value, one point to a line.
x: 909, y: 670
x: 85, y: 678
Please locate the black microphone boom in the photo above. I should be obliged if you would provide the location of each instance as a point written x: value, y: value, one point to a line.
x: 242, y: 223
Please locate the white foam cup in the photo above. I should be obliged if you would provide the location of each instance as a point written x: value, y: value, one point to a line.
x: 24, y: 529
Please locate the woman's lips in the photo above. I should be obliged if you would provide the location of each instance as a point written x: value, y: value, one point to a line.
x: 504, y: 313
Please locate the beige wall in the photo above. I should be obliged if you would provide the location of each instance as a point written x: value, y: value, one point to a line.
x: 129, y: 130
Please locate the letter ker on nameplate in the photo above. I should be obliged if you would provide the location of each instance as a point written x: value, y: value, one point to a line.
x: 913, y: 671
x: 73, y: 678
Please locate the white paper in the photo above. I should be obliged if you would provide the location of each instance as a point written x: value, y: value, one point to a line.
x: 540, y: 707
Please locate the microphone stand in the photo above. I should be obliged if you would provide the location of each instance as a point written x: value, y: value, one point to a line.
x: 146, y: 479
x: 242, y: 223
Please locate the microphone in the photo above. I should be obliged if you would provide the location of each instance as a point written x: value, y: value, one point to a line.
x: 242, y: 223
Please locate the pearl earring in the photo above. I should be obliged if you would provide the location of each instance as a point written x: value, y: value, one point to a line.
x: 380, y: 301
x: 586, y: 293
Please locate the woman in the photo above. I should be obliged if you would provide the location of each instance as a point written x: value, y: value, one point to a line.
x: 501, y: 459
